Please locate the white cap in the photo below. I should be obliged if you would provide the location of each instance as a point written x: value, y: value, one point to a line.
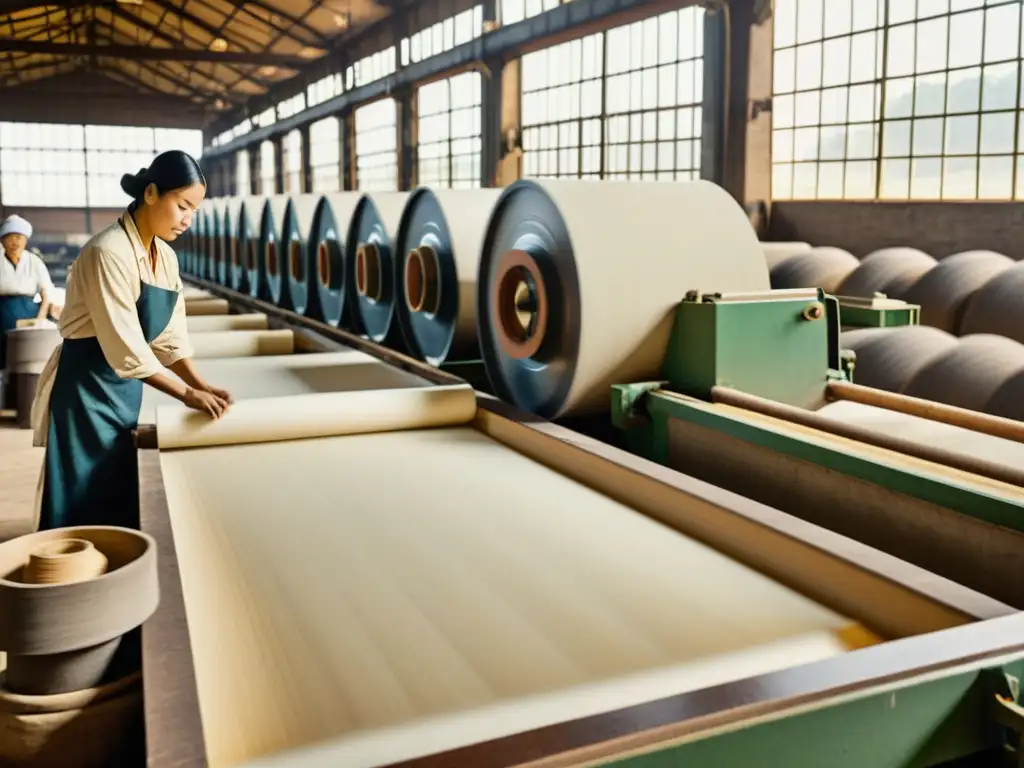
x: 15, y: 225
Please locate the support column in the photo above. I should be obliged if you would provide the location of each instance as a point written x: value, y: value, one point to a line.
x: 747, y: 166
x: 306, y: 182
x: 347, y: 136
x: 278, y: 164
x: 406, y: 126
x: 255, y: 160
x: 509, y: 166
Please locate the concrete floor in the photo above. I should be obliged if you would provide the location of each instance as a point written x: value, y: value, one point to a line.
x: 20, y: 464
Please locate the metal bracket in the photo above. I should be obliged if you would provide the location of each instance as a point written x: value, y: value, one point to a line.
x: 1008, y: 712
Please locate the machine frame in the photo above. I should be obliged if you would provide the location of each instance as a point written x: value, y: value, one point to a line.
x: 917, y: 701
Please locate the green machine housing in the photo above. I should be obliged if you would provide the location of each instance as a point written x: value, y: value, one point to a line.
x: 785, y: 346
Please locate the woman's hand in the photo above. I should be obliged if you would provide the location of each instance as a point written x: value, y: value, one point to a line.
x: 223, y: 394
x: 205, y: 402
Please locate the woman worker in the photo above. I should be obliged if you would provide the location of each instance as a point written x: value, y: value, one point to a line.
x: 22, y: 275
x: 123, y: 325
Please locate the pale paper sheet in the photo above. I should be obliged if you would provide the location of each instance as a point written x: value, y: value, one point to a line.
x: 247, y: 378
x: 248, y: 322
x: 192, y: 293
x: 242, y: 343
x: 345, y: 584
x: 302, y: 417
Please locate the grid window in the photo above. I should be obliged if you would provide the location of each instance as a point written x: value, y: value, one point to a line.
x: 268, y: 179
x: 325, y: 154
x: 443, y: 36
x: 654, y: 97
x: 371, y: 68
x: 243, y: 183
x: 925, y: 107
x: 43, y: 165
x: 292, y: 147
x: 519, y: 10
x: 53, y: 165
x: 450, y: 140
x: 292, y: 106
x: 111, y: 152
x: 324, y: 89
x: 266, y: 117
x: 561, y: 109
x: 377, y: 146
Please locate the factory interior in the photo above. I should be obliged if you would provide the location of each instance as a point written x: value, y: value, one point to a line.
x: 628, y: 383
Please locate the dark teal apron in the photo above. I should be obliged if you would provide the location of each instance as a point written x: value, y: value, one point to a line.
x: 92, y: 473
x: 13, y: 309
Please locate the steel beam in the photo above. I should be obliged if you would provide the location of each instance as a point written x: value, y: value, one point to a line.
x: 141, y: 52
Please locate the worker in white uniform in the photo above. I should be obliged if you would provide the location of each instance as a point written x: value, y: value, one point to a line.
x: 23, y: 274
x: 123, y: 325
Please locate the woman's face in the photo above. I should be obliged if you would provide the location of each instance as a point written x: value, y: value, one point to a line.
x: 170, y: 215
x: 14, y: 244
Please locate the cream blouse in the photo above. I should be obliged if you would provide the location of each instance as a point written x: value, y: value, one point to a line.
x: 102, y: 289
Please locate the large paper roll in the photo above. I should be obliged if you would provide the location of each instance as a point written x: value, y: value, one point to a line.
x: 250, y: 221
x: 270, y: 265
x: 325, y: 414
x: 296, y: 226
x: 249, y: 322
x: 206, y: 306
x: 329, y: 236
x: 215, y: 243
x: 242, y: 343
x: 371, y: 265
x: 202, y: 226
x: 437, y: 256
x: 579, y: 283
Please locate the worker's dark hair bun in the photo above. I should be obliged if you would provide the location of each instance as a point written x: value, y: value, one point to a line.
x: 134, y: 184
x: 168, y: 171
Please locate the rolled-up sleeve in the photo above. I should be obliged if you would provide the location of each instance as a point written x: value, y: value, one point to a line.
x: 43, y: 281
x: 173, y: 345
x: 110, y: 298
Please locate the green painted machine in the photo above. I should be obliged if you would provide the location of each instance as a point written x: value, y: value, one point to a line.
x: 757, y: 397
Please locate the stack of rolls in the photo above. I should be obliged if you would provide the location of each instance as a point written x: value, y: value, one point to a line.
x: 297, y: 288
x: 70, y: 599
x: 328, y: 241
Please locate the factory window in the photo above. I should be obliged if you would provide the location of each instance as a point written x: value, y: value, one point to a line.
x: 371, y: 68
x: 443, y: 36
x: 325, y: 154
x: 110, y: 152
x: 324, y: 89
x: 450, y: 140
x: 923, y: 107
x: 43, y: 165
x: 243, y: 183
x: 165, y: 139
x: 268, y: 177
x: 292, y: 106
x: 519, y: 10
x: 377, y: 146
x: 292, y: 146
x: 266, y: 117
x: 241, y: 129
x: 561, y: 109
x: 654, y: 97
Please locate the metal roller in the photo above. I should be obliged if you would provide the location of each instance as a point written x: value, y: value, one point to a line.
x: 889, y: 358
x: 215, y: 243
x: 969, y: 374
x: 823, y: 268
x: 437, y: 258
x: 328, y: 235
x: 371, y: 266
x: 270, y: 267
x: 891, y: 271
x: 202, y: 233
x: 776, y: 252
x: 230, y: 254
x: 943, y: 291
x: 579, y: 282
x: 250, y: 221
x: 998, y: 306
x: 296, y: 225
